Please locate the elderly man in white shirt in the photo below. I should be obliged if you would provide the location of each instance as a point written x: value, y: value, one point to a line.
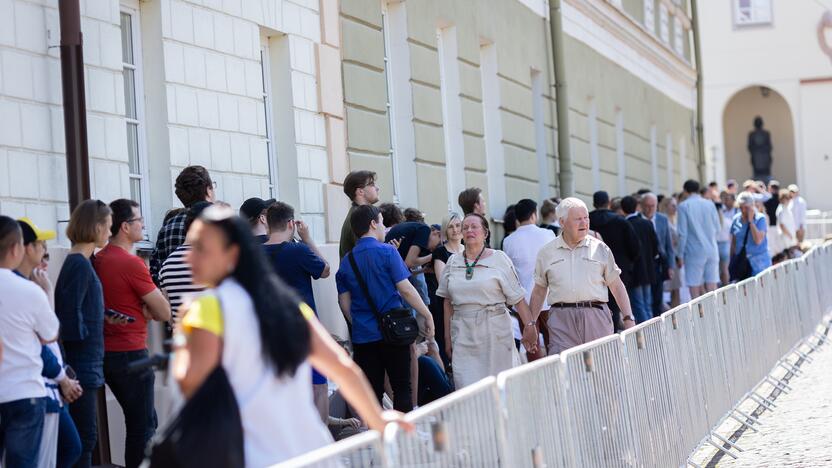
x: 523, y: 245
x: 799, y: 210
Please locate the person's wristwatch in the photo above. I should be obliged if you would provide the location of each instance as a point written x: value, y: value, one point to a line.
x: 532, y: 323
x: 628, y: 317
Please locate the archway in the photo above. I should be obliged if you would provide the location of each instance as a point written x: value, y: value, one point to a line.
x: 737, y: 122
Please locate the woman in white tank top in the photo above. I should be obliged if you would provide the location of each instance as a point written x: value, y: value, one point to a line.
x: 265, y: 338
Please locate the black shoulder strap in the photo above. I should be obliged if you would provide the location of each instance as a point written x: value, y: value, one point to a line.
x: 747, y: 230
x: 364, y: 286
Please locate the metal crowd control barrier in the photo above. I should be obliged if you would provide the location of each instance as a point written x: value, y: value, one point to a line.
x: 461, y: 430
x: 647, y: 397
x: 362, y: 450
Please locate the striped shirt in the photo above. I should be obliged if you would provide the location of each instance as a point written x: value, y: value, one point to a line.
x: 176, y: 280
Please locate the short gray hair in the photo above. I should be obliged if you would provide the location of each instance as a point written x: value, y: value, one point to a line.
x: 562, y: 210
x: 745, y: 199
x: 648, y: 194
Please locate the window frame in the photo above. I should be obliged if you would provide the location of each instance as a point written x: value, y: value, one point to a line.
x: 139, y: 121
x: 391, y: 116
x: 266, y: 83
x: 678, y: 36
x: 664, y: 24
x: 752, y: 21
x: 650, y: 16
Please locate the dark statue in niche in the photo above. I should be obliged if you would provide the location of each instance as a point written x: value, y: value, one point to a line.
x: 759, y: 145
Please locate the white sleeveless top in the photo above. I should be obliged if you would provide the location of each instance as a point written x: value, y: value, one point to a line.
x: 279, y: 417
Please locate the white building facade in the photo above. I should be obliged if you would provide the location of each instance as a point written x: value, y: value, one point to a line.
x: 769, y: 58
x: 228, y: 84
x: 281, y: 98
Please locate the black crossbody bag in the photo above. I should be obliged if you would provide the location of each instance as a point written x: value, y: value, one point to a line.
x: 398, y: 326
x: 740, y: 267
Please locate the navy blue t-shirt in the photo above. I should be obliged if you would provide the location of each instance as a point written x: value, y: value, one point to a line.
x: 411, y: 233
x: 297, y: 265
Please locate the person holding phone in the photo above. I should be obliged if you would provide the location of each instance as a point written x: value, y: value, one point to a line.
x: 129, y: 292
x: 60, y: 445
x: 297, y: 263
x: 26, y: 323
x: 748, y: 231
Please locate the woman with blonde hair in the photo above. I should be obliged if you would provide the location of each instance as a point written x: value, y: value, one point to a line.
x: 451, y: 232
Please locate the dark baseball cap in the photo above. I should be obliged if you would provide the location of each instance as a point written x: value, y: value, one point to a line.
x: 252, y: 207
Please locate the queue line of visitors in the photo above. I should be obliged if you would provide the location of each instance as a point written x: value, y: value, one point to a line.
x: 236, y: 293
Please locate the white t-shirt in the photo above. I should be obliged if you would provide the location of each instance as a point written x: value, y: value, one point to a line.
x: 279, y: 417
x: 785, y: 219
x: 799, y: 210
x: 522, y: 247
x: 727, y: 219
x: 25, y: 317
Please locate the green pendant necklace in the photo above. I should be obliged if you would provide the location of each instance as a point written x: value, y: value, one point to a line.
x: 469, y: 267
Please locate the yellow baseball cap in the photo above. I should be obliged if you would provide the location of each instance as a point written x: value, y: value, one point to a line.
x: 32, y: 233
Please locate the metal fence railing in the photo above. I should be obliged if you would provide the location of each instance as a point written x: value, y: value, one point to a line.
x: 818, y: 225
x: 647, y: 397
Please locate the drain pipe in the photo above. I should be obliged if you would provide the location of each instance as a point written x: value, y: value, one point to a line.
x: 700, y: 136
x: 75, y: 108
x: 566, y: 183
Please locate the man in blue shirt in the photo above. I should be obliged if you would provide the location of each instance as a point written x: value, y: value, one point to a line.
x: 386, y: 276
x: 698, y: 225
x: 297, y: 264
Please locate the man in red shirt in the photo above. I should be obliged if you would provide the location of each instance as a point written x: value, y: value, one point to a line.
x: 131, y: 294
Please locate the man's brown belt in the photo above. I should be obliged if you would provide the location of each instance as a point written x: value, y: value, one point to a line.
x: 577, y: 305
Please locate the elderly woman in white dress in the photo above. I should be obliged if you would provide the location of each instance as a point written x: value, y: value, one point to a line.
x: 479, y: 285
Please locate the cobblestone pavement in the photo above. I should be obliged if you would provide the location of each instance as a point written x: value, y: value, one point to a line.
x: 798, y: 433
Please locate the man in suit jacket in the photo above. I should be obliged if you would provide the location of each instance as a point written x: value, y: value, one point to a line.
x: 619, y: 236
x: 641, y: 297
x: 667, y: 261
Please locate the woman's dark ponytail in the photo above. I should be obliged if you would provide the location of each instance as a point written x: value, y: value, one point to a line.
x: 284, y: 332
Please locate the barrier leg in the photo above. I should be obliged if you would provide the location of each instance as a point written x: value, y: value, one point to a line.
x: 756, y: 397
x: 789, y: 367
x: 803, y: 356
x: 691, y: 463
x: 744, y: 423
x: 733, y: 445
x: 722, y: 449
x: 782, y: 386
x: 748, y: 417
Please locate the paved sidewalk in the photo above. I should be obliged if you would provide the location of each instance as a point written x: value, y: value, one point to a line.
x: 798, y: 433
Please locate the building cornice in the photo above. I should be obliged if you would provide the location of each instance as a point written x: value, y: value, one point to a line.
x: 621, y: 40
x: 619, y: 37
x: 634, y: 34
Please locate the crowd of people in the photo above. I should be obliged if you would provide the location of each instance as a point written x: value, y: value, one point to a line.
x: 430, y: 307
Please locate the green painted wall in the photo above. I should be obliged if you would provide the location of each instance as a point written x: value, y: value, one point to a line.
x: 523, y: 44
